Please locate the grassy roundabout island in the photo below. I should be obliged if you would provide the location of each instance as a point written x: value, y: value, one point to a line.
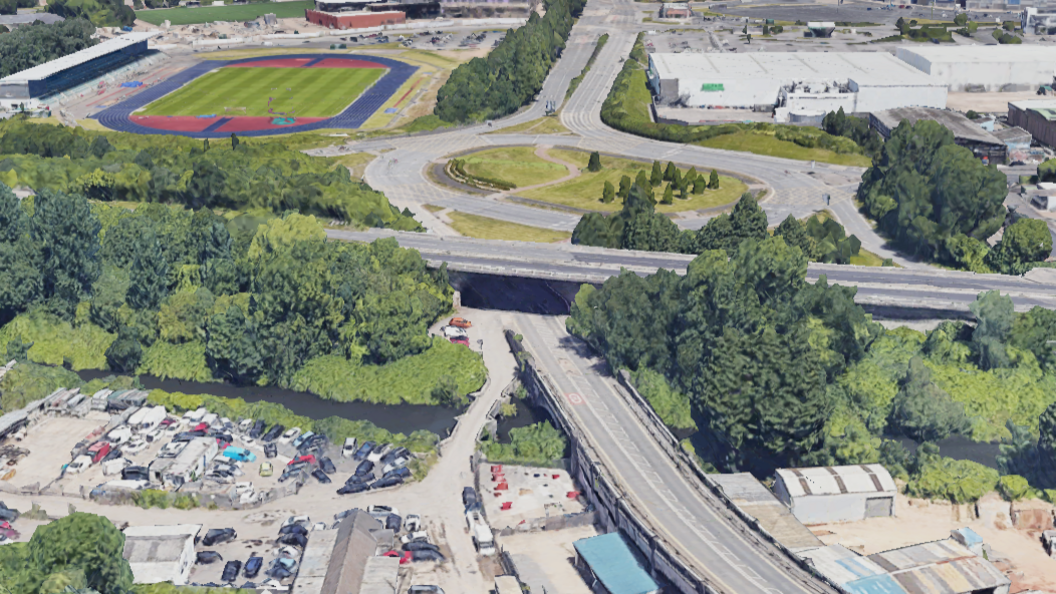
x: 561, y: 177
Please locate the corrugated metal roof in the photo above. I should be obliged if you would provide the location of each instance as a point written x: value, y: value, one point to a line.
x: 840, y: 564
x: 77, y: 58
x: 611, y: 560
x: 874, y: 584
x: 835, y: 480
x: 380, y: 575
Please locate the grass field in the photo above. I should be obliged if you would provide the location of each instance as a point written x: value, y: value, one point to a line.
x: 585, y: 191
x: 208, y: 14
x: 545, y: 125
x: 517, y: 165
x: 315, y: 92
x: 480, y: 227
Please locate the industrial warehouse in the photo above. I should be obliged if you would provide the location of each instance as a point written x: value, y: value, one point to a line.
x: 792, y: 86
x: 978, y: 68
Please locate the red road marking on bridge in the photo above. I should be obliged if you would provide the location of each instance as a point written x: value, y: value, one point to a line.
x: 575, y: 399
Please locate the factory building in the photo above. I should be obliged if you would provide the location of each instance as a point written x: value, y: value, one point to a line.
x: 836, y: 493
x: 349, y: 559
x: 984, y: 145
x: 360, y: 14
x: 789, y: 84
x: 675, y: 10
x: 978, y: 68
x: 1037, y: 116
x: 49, y: 78
x: 160, y: 553
x: 1038, y: 22
x: 946, y: 566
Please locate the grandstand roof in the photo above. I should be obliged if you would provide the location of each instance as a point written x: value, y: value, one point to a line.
x: 77, y: 58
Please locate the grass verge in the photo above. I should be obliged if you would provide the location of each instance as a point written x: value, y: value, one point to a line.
x: 356, y: 162
x: 764, y: 144
x: 585, y: 191
x: 517, y: 165
x: 472, y: 225
x: 545, y: 125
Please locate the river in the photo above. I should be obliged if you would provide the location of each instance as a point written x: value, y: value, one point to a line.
x: 398, y: 418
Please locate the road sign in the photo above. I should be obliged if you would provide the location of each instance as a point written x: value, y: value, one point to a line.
x: 575, y: 399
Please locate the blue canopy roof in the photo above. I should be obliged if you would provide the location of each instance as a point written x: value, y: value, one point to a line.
x: 615, y: 565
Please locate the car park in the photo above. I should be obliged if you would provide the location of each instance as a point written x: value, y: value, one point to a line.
x: 349, y: 449
x: 253, y: 566
x: 290, y: 435
x: 231, y: 571
x: 136, y: 445
x: 219, y: 535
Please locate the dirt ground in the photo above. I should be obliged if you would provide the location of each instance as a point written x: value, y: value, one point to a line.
x: 553, y: 554
x: 919, y: 521
x: 986, y: 102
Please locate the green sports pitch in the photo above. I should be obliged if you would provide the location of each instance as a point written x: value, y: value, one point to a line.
x: 306, y: 92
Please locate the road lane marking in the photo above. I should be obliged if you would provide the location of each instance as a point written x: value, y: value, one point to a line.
x: 575, y: 399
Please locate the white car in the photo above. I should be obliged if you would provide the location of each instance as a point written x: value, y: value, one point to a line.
x: 399, y: 462
x: 380, y: 512
x: 413, y: 522
x: 290, y: 435
x: 349, y: 448
x: 377, y: 454
x: 79, y: 465
x: 245, y: 425
x: 249, y: 497
x: 241, y: 488
x: 319, y: 526
x: 302, y: 520
x: 420, y: 535
x: 119, y: 435
x: 274, y: 585
x: 136, y: 445
x: 453, y: 332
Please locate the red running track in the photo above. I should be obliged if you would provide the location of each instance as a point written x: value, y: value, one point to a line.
x: 301, y: 62
x: 196, y: 124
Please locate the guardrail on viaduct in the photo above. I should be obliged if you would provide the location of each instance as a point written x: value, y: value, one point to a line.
x: 616, y: 511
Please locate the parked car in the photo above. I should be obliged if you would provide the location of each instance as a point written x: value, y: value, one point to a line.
x: 327, y: 465
x: 431, y: 589
x: 219, y: 535
x: 240, y: 454
x: 460, y: 323
x: 364, y: 450
x: 396, y: 464
x: 306, y: 459
x: 245, y: 425
x: 135, y: 445
x: 290, y: 435
x: 274, y: 433
x: 453, y: 332
x: 172, y: 449
x: 412, y: 522
x: 321, y: 476
x: 302, y: 520
x: 418, y: 545
x: 426, y: 555
x: 302, y: 438
x: 352, y: 488
x: 135, y: 473
x: 393, y: 522
x: 253, y: 566
x: 271, y: 450
x: 401, y: 473
x: 293, y: 529
x: 380, y: 512
x: 386, y: 481
x: 420, y: 536
x: 207, y: 557
x: 79, y: 465
x: 297, y: 540
x: 243, y: 487
x: 266, y: 469
x: 393, y: 454
x: 231, y: 571
x: 98, y: 451
x: 462, y: 340
x: 7, y: 514
x: 365, y: 467
x: 316, y: 443
x: 119, y: 435
x: 349, y: 449
x: 378, y: 451
x: 469, y: 497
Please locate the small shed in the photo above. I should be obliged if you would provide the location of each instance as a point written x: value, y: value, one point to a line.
x: 836, y: 493
x: 160, y: 553
x: 613, y: 565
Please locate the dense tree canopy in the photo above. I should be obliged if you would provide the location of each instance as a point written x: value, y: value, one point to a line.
x: 102, y: 13
x: 512, y: 74
x: 255, y: 175
x: 924, y: 190
x: 31, y: 45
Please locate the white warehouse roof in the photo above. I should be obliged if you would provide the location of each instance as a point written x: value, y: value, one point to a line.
x: 981, y: 54
x: 160, y: 553
x: 77, y: 58
x: 867, y: 68
x: 836, y: 480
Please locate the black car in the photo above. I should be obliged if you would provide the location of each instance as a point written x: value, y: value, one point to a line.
x: 364, y: 450
x: 258, y: 429
x: 7, y: 514
x: 274, y: 433
x: 351, y: 488
x: 188, y: 435
x: 389, y: 457
x: 293, y: 529
x: 365, y: 467
x: 270, y: 450
x: 327, y: 465
x: 135, y: 473
x: 207, y: 557
x: 253, y: 566
x: 231, y: 571
x: 402, y: 472
x: 390, y: 481
x: 315, y: 442
x: 426, y: 555
x: 321, y: 476
x: 113, y: 454
x: 417, y: 545
x: 279, y: 572
x: 469, y: 496
x: 393, y: 522
x: 219, y: 535
x: 297, y: 540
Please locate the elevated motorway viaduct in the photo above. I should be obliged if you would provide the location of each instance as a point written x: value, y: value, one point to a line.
x: 913, y: 292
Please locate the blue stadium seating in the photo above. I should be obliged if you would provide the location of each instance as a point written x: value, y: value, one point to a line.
x: 117, y: 117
